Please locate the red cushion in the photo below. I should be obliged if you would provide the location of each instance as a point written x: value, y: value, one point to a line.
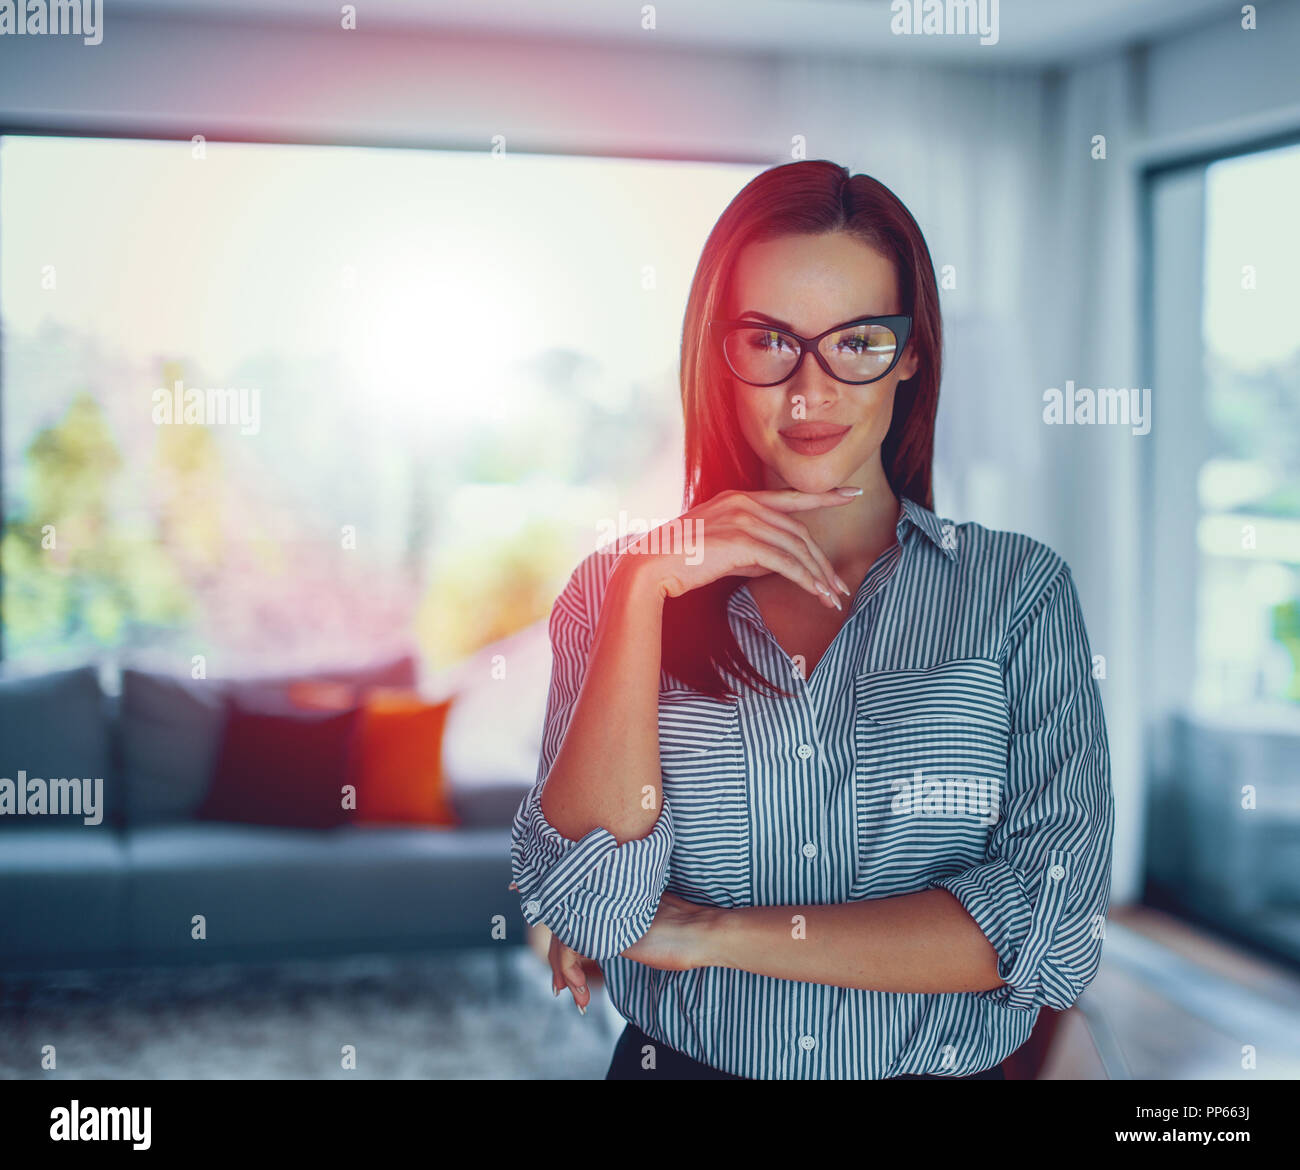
x: 287, y: 768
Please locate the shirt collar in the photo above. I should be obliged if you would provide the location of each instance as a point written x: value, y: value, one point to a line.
x: 930, y: 524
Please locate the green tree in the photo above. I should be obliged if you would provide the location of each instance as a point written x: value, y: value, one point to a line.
x: 72, y: 575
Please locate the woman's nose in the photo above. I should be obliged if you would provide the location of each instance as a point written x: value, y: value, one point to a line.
x: 812, y: 384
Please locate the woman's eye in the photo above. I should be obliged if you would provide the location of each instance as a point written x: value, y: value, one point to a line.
x: 768, y: 342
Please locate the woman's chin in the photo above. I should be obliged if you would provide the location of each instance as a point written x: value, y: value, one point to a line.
x: 817, y: 476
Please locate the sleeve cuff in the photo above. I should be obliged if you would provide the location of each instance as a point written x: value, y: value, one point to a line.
x: 1019, y: 927
x: 595, y: 895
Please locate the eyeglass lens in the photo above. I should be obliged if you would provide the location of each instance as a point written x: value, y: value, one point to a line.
x: 765, y: 355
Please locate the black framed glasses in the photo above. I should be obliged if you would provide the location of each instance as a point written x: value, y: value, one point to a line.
x: 857, y: 352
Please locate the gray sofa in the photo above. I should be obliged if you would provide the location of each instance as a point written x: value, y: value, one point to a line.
x: 126, y: 891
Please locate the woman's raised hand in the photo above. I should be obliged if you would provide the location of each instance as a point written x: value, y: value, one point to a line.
x: 745, y: 534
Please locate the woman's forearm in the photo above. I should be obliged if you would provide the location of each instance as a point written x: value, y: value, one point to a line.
x: 921, y: 943
x: 606, y: 773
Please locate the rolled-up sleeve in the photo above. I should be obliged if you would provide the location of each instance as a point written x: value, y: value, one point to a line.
x: 1042, y: 893
x: 595, y: 895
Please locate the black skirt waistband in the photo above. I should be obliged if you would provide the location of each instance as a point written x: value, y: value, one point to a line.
x: 671, y: 1065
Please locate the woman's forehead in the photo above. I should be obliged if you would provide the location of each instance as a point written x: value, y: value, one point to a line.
x: 813, y: 282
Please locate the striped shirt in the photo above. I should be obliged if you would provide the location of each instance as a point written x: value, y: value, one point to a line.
x: 950, y: 737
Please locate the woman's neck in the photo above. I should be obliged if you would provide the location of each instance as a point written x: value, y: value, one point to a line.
x: 853, y: 535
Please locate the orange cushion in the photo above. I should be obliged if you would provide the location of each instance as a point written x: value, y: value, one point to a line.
x: 397, y: 765
x: 399, y: 760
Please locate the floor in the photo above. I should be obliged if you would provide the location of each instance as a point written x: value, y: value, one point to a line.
x: 1173, y: 1002
x: 474, y: 1014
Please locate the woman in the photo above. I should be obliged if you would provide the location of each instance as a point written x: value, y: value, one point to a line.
x: 884, y: 862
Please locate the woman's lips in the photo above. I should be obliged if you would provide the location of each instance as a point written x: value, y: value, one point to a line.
x: 812, y: 439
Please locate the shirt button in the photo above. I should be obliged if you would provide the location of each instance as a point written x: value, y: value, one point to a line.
x: 1056, y: 873
x: 807, y: 1043
x: 533, y: 906
x: 809, y: 849
x: 803, y: 751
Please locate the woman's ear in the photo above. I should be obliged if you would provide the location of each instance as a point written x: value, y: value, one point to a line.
x: 908, y: 364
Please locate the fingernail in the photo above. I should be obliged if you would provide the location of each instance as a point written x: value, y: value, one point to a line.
x: 849, y: 491
x: 822, y: 589
x: 582, y: 1009
x: 842, y: 586
x: 837, y: 604
x: 554, y: 991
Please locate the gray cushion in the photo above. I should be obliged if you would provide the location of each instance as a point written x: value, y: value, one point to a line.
x: 171, y: 728
x: 55, y: 726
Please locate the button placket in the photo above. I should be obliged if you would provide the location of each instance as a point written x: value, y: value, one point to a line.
x: 809, y: 849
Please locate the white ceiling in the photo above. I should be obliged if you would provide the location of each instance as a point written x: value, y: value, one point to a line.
x: 1031, y: 32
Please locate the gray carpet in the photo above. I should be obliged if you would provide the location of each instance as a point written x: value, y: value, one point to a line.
x: 471, y: 1014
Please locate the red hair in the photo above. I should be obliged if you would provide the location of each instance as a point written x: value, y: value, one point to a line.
x: 812, y: 197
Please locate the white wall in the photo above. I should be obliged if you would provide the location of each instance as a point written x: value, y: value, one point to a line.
x: 1218, y: 72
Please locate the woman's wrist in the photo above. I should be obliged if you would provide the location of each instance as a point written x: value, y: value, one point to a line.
x: 712, y: 931
x: 640, y: 578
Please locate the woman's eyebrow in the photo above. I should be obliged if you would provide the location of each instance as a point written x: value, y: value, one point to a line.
x: 764, y: 317
x: 769, y: 320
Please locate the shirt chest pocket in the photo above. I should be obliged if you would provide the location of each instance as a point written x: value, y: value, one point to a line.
x: 930, y: 771
x: 702, y: 766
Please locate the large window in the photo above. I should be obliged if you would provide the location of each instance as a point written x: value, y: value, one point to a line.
x: 1248, y: 533
x: 1223, y: 547
x: 281, y: 403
